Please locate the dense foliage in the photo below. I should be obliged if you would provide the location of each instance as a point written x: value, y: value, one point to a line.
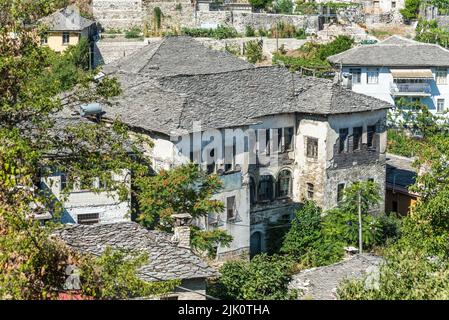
x: 31, y: 263
x: 411, y: 9
x: 313, y: 55
x: 416, y: 265
x: 221, y: 32
x: 263, y: 278
x: 113, y: 275
x: 253, y: 51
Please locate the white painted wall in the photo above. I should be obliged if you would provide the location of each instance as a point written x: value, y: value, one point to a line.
x: 381, y: 90
x: 107, y: 204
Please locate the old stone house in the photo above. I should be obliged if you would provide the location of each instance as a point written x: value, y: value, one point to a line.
x: 167, y: 259
x: 273, y: 137
x: 320, y: 136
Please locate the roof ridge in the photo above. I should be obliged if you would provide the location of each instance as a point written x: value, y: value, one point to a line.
x: 158, y: 46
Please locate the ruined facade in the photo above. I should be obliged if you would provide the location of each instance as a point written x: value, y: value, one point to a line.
x: 273, y: 137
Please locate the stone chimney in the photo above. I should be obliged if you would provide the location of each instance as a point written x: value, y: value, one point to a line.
x: 182, y: 229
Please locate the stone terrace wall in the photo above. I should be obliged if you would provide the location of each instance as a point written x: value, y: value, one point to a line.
x: 239, y: 20
x: 175, y: 13
x: 118, y: 14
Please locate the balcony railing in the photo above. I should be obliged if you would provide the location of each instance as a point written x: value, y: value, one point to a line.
x: 410, y: 89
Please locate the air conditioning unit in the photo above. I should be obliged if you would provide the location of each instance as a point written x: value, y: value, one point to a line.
x: 90, y: 109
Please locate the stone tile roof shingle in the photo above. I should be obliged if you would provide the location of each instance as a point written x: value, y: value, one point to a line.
x: 66, y: 19
x: 174, y: 56
x: 394, y: 51
x: 229, y: 99
x: 400, y: 171
x: 166, y: 260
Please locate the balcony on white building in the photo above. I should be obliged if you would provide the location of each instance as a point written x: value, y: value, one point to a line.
x: 411, y: 82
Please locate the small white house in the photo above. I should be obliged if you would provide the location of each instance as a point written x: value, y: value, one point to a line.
x: 398, y: 68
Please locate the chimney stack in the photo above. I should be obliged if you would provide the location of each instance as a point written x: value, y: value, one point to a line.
x: 182, y: 229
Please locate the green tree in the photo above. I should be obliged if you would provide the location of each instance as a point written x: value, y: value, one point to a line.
x: 260, y: 4
x: 283, y: 6
x: 114, y: 275
x: 411, y: 9
x: 184, y: 189
x: 305, y: 230
x: 253, y: 51
x: 264, y: 278
x: 343, y: 222
x: 31, y: 263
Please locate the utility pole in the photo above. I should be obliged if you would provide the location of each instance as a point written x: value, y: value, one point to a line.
x: 360, y: 221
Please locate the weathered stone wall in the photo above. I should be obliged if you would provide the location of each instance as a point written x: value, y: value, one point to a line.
x: 175, y: 14
x: 118, y: 14
x: 108, y: 51
x: 239, y: 20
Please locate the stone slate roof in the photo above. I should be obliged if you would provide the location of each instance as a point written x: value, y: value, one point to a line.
x: 166, y: 260
x: 66, y: 19
x: 400, y: 172
x: 174, y: 56
x: 321, y: 283
x: 229, y: 99
x: 394, y: 51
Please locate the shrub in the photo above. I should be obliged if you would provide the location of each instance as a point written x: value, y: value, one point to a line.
x: 133, y: 33
x: 304, y: 231
x: 253, y: 51
x: 249, y: 31
x: 339, y: 44
x: 260, y: 4
x: 283, y: 6
x: 263, y: 278
x: 221, y: 32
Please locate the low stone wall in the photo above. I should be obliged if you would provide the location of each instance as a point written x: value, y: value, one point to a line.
x: 117, y: 14
x: 239, y: 20
x: 107, y: 51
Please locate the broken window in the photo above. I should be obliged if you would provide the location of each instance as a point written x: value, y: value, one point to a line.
x: 310, y: 190
x: 277, y: 136
x: 265, y: 189
x: 288, y: 138
x: 371, y: 130
x: 343, y: 140
x: 357, y: 138
x: 211, y: 166
x: 230, y: 207
x: 252, y: 190
x: 340, y: 189
x: 312, y: 147
x: 88, y: 218
x: 230, y: 154
x: 284, y: 184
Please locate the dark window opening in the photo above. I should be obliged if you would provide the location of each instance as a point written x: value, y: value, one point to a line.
x: 340, y: 189
x: 63, y: 182
x: 395, y: 206
x: 356, y: 75
x: 343, y: 137
x: 88, y: 218
x: 312, y: 147
x: 252, y: 190
x: 288, y: 138
x: 230, y: 207
x: 371, y: 130
x: 284, y: 184
x: 65, y: 38
x: 310, y: 190
x: 211, y: 166
x: 265, y: 189
x: 357, y: 138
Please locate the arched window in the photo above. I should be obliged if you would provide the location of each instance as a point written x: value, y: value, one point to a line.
x: 265, y: 189
x: 252, y: 190
x: 284, y: 184
x: 255, y: 243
